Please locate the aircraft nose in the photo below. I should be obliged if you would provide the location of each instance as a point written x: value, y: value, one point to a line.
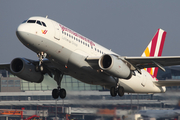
x: 22, y: 32
x: 21, y: 29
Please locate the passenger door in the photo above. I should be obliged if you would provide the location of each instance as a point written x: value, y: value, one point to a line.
x: 56, y: 31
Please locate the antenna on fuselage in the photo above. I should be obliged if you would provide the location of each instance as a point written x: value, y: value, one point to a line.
x: 46, y: 16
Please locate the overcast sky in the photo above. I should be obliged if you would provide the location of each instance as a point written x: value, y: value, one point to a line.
x: 124, y: 26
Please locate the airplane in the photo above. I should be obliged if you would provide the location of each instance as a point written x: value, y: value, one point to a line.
x: 161, y: 114
x: 62, y: 51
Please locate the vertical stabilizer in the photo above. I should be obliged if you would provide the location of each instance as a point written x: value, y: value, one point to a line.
x: 155, y: 49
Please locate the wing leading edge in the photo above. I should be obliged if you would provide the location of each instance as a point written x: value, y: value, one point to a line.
x: 48, y: 66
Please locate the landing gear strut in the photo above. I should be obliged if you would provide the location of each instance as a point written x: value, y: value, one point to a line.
x: 59, y: 91
x: 41, y: 56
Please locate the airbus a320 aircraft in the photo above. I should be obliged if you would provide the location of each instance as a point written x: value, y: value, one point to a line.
x: 63, y: 51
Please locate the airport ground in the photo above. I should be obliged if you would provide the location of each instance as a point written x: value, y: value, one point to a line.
x: 84, y: 105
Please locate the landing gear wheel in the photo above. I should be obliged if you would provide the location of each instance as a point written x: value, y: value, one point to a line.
x: 62, y: 93
x: 120, y: 91
x: 113, y: 91
x: 39, y: 68
x: 55, y: 93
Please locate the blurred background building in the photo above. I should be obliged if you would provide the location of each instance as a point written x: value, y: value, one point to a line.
x: 11, y: 83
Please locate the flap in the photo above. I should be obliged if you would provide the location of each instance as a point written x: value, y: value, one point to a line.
x: 93, y: 62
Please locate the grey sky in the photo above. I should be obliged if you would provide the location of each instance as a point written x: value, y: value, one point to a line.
x: 126, y: 27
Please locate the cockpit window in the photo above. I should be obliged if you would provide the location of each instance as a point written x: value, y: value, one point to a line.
x: 44, y: 24
x: 31, y: 21
x: 38, y: 22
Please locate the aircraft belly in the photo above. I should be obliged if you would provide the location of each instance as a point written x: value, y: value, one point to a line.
x: 82, y: 71
x: 92, y: 77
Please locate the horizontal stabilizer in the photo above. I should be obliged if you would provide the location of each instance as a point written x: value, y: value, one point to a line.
x: 167, y: 83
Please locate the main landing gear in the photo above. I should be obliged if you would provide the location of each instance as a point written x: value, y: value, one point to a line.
x: 117, y: 90
x: 59, y: 91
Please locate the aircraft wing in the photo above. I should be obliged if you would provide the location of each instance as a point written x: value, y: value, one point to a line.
x: 5, y: 66
x: 49, y: 67
x: 142, y: 62
x: 167, y: 83
x: 148, y: 62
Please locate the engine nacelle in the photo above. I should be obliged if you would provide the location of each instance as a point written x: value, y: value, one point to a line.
x: 25, y: 70
x: 114, y: 66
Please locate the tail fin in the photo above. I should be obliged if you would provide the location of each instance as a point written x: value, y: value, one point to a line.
x: 155, y: 49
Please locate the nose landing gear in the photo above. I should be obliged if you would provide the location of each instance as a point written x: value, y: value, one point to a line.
x: 41, y: 56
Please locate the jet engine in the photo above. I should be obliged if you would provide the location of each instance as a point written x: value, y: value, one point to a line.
x: 114, y: 66
x: 25, y: 70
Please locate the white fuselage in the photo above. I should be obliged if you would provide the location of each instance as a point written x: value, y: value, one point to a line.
x: 68, y: 50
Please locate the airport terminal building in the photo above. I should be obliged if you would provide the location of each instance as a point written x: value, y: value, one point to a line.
x: 10, y: 83
x: 17, y: 93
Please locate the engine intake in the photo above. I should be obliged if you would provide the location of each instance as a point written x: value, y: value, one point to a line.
x: 114, y: 66
x: 25, y: 70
